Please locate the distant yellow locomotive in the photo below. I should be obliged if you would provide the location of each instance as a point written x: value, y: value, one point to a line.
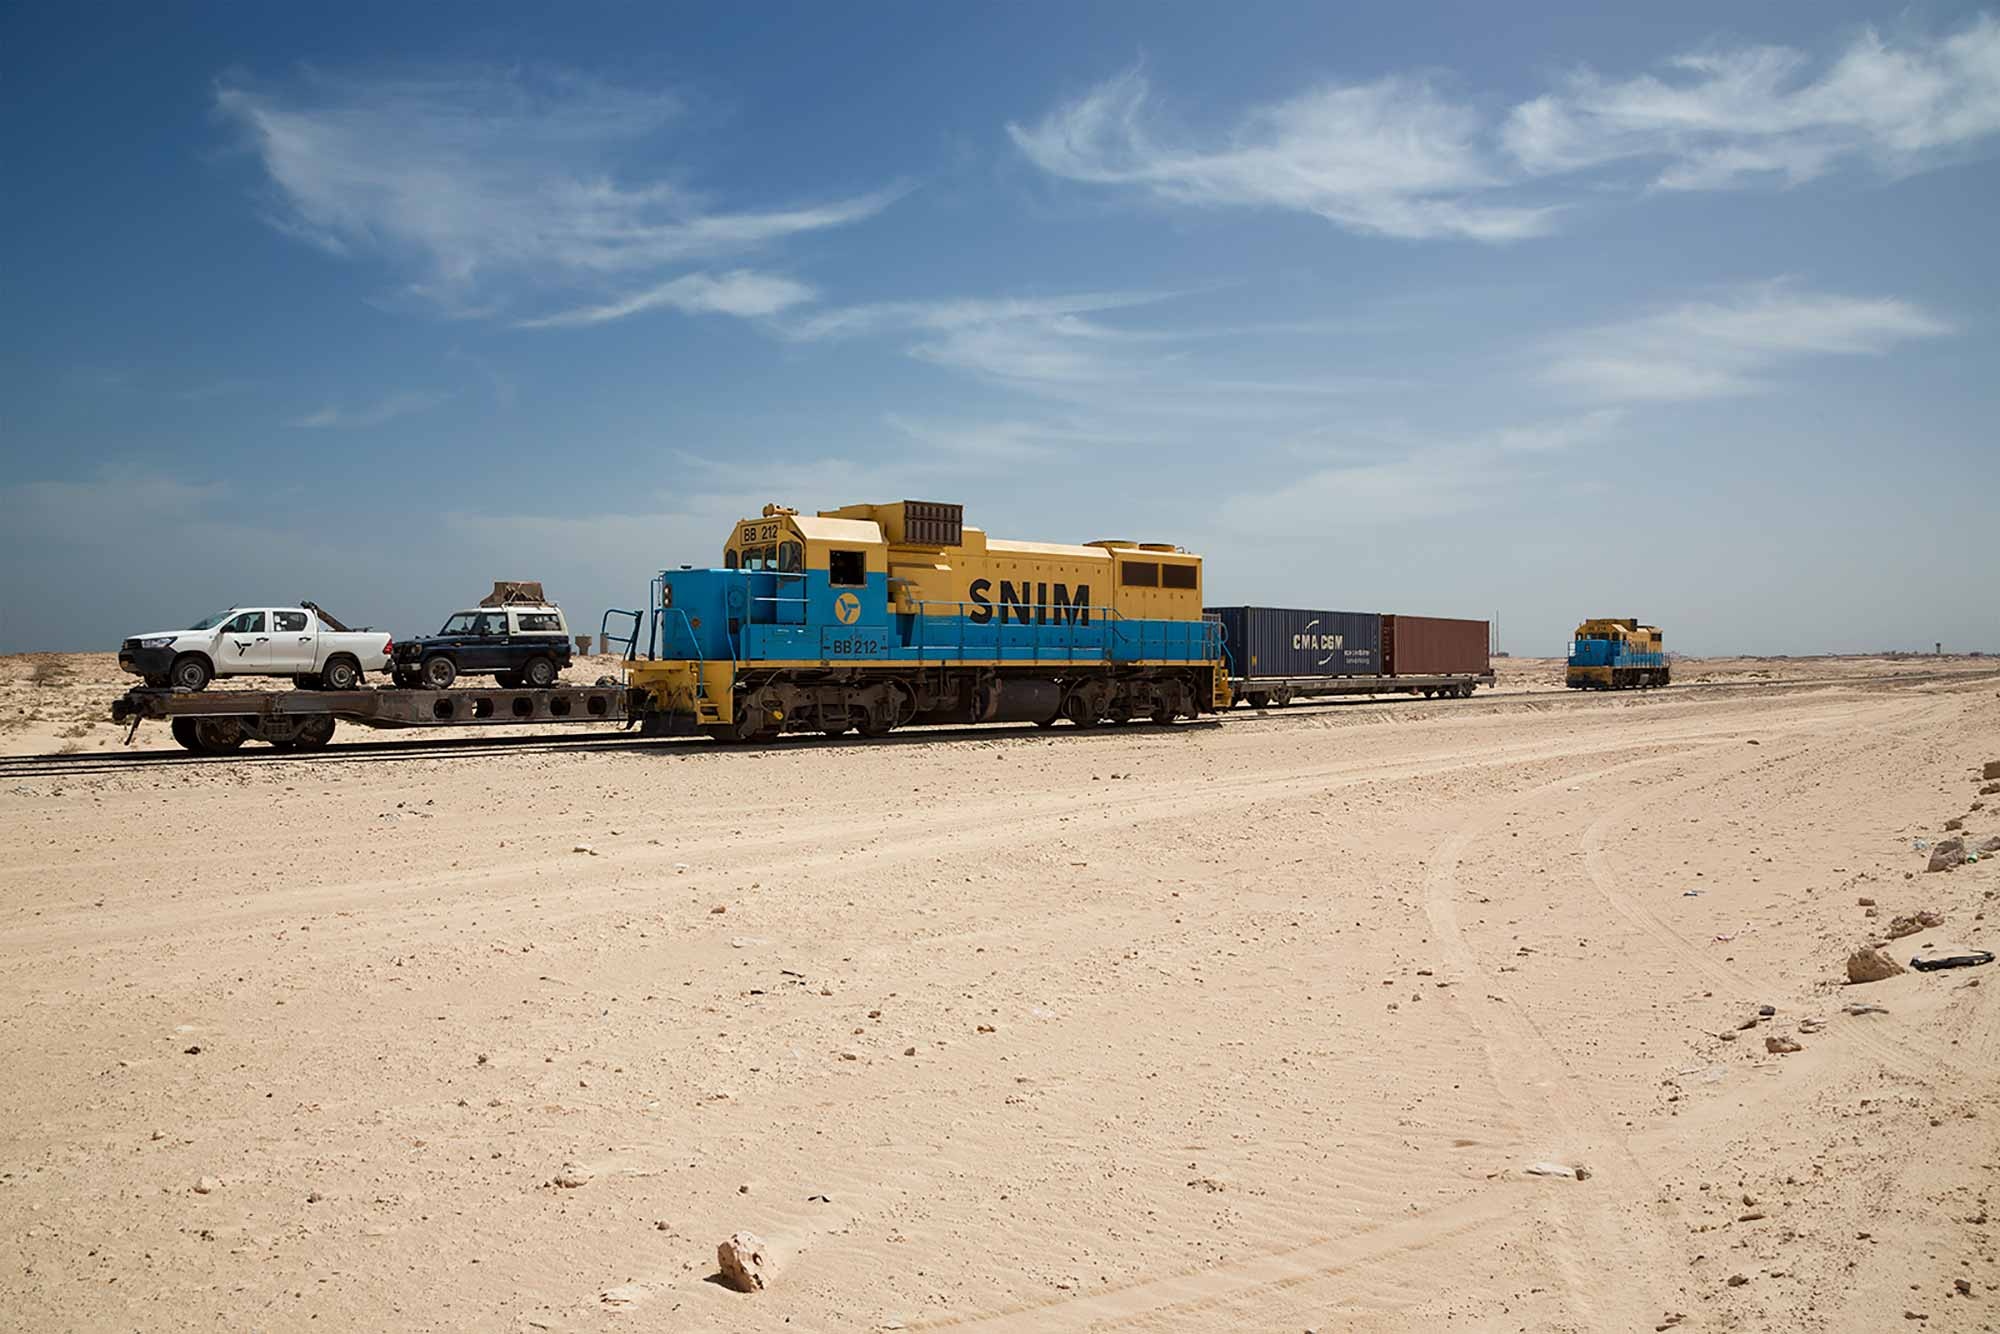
x: 1616, y: 654
x: 870, y: 617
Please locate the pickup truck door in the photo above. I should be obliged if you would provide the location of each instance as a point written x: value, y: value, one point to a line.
x: 244, y: 644
x: 294, y: 642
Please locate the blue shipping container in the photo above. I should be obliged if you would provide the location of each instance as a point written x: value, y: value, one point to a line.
x: 1293, y: 643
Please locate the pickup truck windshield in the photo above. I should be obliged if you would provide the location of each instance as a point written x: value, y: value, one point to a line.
x: 210, y: 622
x: 464, y: 623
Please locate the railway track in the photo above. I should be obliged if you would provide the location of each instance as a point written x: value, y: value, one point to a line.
x: 602, y: 738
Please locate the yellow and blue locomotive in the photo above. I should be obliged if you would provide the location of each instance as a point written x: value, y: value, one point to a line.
x: 870, y: 617
x: 1616, y: 654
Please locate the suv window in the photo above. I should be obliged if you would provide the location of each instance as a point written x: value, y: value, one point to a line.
x: 249, y: 623
x: 461, y: 623
x: 492, y: 623
x: 289, y: 621
x: 539, y: 622
x: 847, y: 569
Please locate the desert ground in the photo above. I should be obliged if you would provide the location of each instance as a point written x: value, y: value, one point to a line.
x: 1266, y: 1023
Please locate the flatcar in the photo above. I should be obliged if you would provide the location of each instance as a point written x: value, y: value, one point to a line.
x: 1611, y: 653
x: 871, y: 617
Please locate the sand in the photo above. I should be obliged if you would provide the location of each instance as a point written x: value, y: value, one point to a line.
x: 1250, y: 1025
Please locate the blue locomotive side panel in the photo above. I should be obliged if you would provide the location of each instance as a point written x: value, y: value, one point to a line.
x: 751, y: 616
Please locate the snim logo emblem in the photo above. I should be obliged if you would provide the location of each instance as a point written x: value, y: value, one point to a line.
x: 848, y: 608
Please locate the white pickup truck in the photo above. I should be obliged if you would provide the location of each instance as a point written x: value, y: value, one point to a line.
x: 304, y: 643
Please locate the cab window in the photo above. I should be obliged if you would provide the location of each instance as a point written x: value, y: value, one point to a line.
x: 791, y: 558
x: 729, y: 559
x: 249, y: 623
x: 1140, y: 574
x: 289, y: 622
x: 847, y: 569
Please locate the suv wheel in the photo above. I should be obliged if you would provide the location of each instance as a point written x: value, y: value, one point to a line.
x: 539, y: 673
x: 440, y: 672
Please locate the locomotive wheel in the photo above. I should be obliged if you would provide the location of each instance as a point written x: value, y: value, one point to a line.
x: 1081, y: 712
x: 1164, y: 714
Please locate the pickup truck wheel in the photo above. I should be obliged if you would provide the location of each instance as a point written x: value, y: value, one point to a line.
x: 306, y: 682
x: 158, y: 682
x: 506, y: 680
x: 440, y: 672
x: 190, y: 672
x: 406, y: 678
x: 539, y: 673
x: 341, y: 674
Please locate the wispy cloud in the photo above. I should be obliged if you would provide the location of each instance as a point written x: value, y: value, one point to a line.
x: 478, y: 183
x: 1398, y: 156
x: 1393, y: 157
x: 1733, y: 117
x: 742, y: 292
x: 1731, y: 344
x: 387, y: 410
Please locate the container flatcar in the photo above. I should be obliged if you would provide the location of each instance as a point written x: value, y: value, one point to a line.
x: 1278, y: 654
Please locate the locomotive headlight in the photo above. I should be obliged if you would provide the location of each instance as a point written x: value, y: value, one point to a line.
x: 666, y: 595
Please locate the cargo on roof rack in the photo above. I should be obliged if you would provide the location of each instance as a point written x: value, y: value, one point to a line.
x: 507, y: 592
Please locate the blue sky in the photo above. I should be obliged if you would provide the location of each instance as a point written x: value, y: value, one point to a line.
x: 1456, y: 309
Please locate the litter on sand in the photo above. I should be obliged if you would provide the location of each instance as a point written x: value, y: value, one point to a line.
x: 1969, y: 959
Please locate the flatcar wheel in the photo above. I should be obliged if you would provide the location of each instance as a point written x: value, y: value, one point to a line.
x: 1258, y: 699
x: 838, y: 729
x: 183, y: 730
x: 1045, y: 722
x: 217, y: 735
x: 314, y: 731
x: 1164, y: 715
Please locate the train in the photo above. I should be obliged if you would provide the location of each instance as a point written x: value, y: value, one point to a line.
x: 1617, y: 653
x: 872, y: 617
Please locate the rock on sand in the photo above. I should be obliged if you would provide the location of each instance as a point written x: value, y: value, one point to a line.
x: 1869, y: 964
x: 1947, y: 853
x: 742, y: 1261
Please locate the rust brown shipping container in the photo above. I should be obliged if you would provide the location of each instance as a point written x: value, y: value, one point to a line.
x: 1434, y: 646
